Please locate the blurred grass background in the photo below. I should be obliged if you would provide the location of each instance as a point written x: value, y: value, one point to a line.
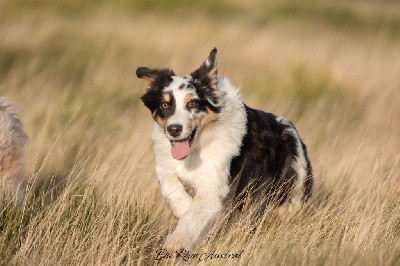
x: 332, y: 67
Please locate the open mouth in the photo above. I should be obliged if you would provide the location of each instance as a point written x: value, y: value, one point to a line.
x: 181, y: 148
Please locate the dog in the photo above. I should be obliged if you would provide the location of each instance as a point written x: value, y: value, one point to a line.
x: 12, y: 147
x: 206, y: 137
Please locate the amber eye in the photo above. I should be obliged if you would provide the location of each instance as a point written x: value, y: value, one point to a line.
x: 192, y: 104
x: 164, y: 105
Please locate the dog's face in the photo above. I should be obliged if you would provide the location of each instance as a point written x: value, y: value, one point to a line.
x: 183, y: 106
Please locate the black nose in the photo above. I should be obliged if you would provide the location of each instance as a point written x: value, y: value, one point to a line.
x: 174, y: 130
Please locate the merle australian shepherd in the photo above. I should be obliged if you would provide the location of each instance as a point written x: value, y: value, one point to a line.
x: 206, y: 137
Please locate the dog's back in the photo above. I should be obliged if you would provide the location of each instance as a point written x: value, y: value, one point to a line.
x: 12, y: 145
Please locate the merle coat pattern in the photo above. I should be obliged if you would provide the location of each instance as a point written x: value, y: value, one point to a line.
x: 207, y: 138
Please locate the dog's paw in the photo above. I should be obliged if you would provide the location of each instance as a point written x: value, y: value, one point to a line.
x: 173, y: 242
x: 176, y: 242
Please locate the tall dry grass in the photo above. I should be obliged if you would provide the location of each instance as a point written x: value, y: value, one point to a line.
x: 92, y: 198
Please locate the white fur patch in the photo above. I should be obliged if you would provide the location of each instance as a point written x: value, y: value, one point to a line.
x: 181, y: 116
x: 206, y: 168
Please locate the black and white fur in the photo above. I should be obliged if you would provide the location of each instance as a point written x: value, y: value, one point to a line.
x: 235, y: 150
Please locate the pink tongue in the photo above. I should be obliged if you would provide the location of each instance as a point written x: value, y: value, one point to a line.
x: 180, y: 149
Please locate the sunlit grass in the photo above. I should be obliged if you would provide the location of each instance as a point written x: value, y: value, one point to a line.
x: 92, y: 197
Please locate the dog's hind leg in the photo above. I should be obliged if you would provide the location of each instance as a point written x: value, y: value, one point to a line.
x: 297, y: 196
x: 304, y: 178
x: 300, y: 164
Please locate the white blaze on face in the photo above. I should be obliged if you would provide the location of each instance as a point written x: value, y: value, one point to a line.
x: 181, y: 145
x: 181, y: 115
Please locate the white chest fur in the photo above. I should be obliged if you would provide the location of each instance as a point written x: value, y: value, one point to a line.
x: 208, y: 165
x: 206, y: 169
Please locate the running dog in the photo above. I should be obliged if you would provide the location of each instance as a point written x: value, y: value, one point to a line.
x: 206, y: 137
x: 12, y: 146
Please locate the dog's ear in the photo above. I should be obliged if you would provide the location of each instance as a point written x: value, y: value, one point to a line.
x: 155, y: 77
x: 207, y: 74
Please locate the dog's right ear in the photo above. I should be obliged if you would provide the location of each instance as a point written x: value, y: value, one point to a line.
x: 155, y: 77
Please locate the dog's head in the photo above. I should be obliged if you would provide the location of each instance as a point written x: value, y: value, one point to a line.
x: 183, y: 106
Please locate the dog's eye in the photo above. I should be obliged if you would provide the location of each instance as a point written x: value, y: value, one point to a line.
x: 192, y: 104
x: 164, y: 105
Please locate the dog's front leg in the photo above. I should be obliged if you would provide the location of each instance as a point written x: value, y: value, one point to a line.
x: 196, y: 222
x: 173, y: 190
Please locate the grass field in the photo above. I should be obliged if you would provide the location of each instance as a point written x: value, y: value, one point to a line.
x: 332, y: 67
